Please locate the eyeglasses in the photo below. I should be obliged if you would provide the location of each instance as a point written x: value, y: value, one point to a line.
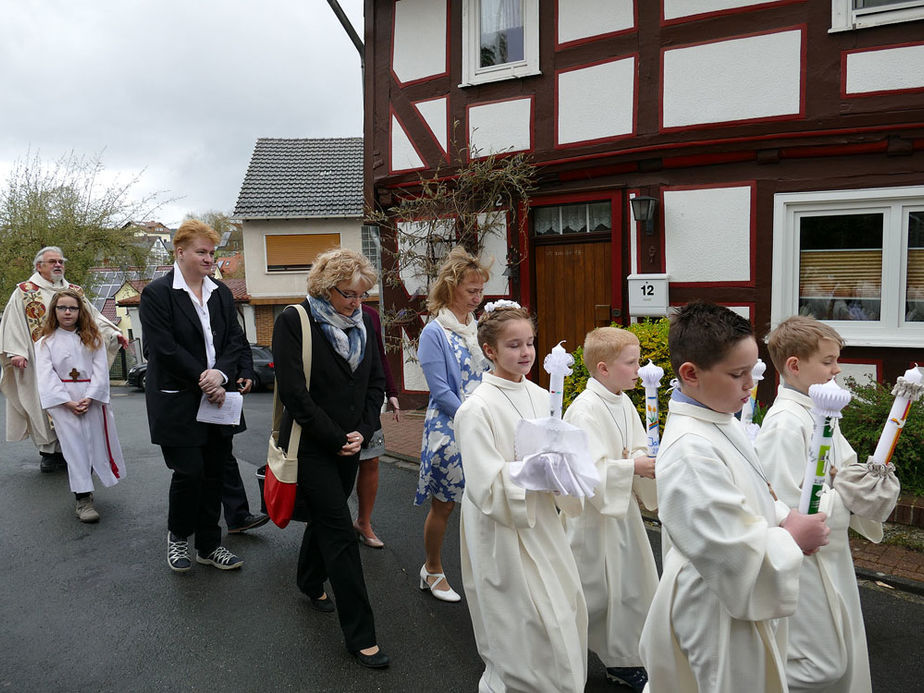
x: 54, y: 262
x: 67, y: 309
x: 351, y: 296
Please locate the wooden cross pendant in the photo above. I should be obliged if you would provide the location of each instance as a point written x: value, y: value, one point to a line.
x: 74, y: 373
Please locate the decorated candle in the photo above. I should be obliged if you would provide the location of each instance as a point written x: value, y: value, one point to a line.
x: 827, y: 402
x: 908, y: 388
x: 651, y: 375
x: 757, y: 374
x: 557, y: 364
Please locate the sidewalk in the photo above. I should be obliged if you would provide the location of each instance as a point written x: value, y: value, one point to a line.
x: 895, y: 565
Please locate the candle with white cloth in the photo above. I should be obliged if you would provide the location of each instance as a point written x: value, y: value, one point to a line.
x: 557, y: 364
x: 908, y: 388
x: 757, y: 374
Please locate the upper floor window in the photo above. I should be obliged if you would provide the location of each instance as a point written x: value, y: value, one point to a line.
x: 854, y: 258
x: 295, y: 252
x: 500, y: 40
x: 860, y: 14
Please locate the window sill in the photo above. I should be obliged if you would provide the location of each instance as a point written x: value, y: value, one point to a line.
x: 500, y: 76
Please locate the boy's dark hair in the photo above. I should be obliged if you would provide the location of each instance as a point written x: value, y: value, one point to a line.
x: 702, y: 333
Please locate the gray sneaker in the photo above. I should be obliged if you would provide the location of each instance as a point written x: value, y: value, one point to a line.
x: 85, y: 510
x: 177, y: 553
x: 221, y: 558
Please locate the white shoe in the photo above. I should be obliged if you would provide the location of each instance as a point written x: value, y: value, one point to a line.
x: 449, y: 595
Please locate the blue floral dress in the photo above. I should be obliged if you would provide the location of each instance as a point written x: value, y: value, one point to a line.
x: 440, y: 462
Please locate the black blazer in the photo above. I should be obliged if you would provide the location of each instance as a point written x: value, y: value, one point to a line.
x: 340, y: 401
x: 176, y: 358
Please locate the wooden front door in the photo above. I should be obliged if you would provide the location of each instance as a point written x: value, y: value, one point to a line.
x: 573, y: 294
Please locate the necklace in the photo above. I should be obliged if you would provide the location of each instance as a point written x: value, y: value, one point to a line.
x: 624, y: 433
x: 515, y: 408
x: 756, y: 468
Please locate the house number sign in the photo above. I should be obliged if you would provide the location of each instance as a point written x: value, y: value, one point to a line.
x: 648, y: 294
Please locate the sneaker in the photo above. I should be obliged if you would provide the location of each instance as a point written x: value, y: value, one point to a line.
x: 221, y: 558
x: 249, y: 521
x: 178, y: 553
x: 85, y: 510
x: 633, y: 677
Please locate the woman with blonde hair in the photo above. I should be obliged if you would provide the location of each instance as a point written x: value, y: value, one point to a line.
x: 73, y: 384
x: 337, y: 414
x: 453, y: 364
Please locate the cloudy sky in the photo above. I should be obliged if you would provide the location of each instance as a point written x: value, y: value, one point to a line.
x: 178, y: 89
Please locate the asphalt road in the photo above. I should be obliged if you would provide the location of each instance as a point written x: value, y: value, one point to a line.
x: 95, y: 607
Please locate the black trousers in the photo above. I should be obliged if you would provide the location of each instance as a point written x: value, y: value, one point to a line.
x: 195, y: 489
x: 233, y: 493
x: 329, y: 547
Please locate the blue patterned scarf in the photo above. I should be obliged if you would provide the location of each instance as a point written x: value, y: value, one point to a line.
x: 346, y: 334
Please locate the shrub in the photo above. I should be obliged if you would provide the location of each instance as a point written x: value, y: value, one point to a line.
x: 862, y: 424
x: 652, y: 337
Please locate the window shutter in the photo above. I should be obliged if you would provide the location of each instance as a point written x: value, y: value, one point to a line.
x: 297, y: 251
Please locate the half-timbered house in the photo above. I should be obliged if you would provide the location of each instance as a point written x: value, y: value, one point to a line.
x: 782, y: 142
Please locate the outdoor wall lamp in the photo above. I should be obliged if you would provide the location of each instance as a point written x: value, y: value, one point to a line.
x: 643, y: 209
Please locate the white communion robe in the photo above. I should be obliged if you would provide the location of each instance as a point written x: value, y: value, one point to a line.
x: 521, y: 583
x: 609, y: 542
x: 89, y: 442
x: 24, y: 415
x: 827, y: 640
x: 731, y: 571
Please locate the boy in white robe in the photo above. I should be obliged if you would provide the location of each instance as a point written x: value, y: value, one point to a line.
x: 73, y: 384
x: 827, y: 640
x: 521, y: 583
x: 608, y: 540
x: 733, y: 567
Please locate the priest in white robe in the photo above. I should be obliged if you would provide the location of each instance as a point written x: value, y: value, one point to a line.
x: 19, y: 330
x: 521, y: 582
x: 608, y: 539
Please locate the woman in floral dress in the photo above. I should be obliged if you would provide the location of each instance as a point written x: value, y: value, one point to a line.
x: 453, y: 364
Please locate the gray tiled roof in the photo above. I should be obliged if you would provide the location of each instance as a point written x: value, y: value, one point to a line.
x: 292, y: 178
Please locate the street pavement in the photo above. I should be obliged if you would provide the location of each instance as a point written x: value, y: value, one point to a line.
x: 95, y: 607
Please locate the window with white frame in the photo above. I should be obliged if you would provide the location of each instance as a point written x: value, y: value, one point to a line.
x: 854, y: 258
x: 500, y: 40
x: 372, y: 246
x: 860, y: 14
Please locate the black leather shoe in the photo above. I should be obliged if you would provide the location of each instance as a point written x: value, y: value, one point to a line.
x: 48, y: 463
x: 325, y: 606
x: 250, y: 522
x: 379, y: 660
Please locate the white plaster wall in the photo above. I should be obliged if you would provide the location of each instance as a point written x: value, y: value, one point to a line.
x: 743, y: 311
x: 863, y: 373
x: 403, y: 154
x: 263, y: 284
x: 597, y: 101
x: 500, y: 127
x: 738, y: 79
x: 707, y: 234
x: 434, y: 114
x: 578, y: 19
x: 413, y: 374
x: 412, y: 239
x: 495, y: 254
x: 887, y: 69
x: 419, y: 48
x: 674, y: 9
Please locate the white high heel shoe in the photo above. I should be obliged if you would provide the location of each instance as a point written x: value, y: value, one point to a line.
x: 449, y: 595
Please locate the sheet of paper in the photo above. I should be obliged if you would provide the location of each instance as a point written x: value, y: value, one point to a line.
x: 228, y: 413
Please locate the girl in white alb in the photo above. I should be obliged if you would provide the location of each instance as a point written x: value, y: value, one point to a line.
x: 73, y: 383
x: 521, y: 582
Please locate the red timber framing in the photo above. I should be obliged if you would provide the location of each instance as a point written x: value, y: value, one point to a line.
x: 833, y: 141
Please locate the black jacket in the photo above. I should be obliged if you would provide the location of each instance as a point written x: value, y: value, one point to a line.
x: 340, y: 401
x: 176, y: 358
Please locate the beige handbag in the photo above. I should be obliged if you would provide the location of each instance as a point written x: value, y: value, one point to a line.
x: 279, y: 488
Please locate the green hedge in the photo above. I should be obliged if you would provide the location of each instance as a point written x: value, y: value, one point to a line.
x: 862, y: 424
x: 652, y: 337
